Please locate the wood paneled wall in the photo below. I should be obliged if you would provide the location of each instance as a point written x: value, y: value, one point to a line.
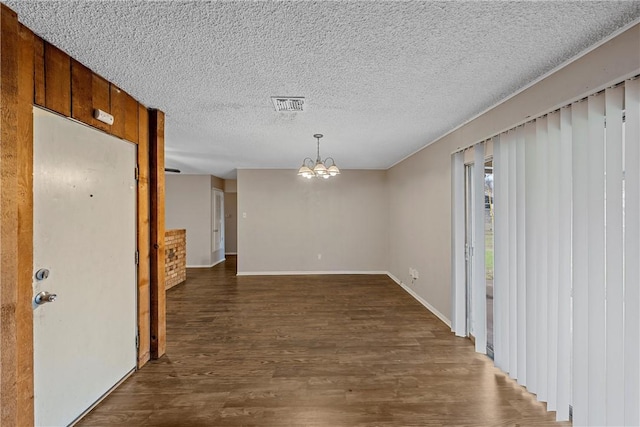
x: 67, y: 87
x: 34, y: 72
x: 57, y: 85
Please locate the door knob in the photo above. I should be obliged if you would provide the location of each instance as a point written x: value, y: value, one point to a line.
x: 44, y: 297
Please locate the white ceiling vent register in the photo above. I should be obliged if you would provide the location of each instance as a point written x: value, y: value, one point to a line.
x: 288, y: 103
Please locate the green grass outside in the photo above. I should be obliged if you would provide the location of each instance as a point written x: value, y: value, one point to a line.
x: 488, y: 253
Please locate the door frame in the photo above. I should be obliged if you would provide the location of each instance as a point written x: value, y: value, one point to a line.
x: 215, y: 192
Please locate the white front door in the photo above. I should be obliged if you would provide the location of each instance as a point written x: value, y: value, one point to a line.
x: 84, y: 236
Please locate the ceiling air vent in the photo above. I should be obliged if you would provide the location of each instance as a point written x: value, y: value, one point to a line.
x: 282, y: 103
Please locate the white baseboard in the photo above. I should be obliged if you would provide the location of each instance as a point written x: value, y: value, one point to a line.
x: 231, y: 253
x: 421, y: 300
x: 207, y: 266
x: 303, y: 273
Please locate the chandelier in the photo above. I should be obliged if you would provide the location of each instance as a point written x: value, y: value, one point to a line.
x: 320, y: 169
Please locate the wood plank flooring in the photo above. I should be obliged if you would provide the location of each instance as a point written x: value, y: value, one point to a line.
x: 311, y: 351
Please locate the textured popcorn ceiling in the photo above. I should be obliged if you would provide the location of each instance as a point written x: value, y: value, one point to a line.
x: 381, y: 79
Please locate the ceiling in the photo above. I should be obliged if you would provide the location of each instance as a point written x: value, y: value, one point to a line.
x: 381, y: 79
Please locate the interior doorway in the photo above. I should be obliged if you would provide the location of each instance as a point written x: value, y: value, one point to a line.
x: 217, y: 224
x: 230, y: 223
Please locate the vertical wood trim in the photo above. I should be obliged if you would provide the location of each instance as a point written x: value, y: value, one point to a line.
x: 117, y: 107
x: 156, y: 174
x: 8, y: 215
x: 57, y: 72
x: 81, y: 93
x: 100, y: 99
x: 9, y: 274
x: 24, y: 311
x: 38, y: 72
x: 144, y: 320
x: 131, y: 125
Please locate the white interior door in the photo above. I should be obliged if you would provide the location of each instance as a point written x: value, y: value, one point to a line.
x: 84, y: 235
x: 217, y: 216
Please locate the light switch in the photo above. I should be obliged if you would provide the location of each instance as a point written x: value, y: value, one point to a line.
x: 244, y: 214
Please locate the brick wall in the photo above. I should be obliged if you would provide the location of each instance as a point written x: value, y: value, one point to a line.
x: 175, y: 243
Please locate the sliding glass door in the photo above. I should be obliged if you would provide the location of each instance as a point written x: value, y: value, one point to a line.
x: 488, y: 249
x: 473, y: 210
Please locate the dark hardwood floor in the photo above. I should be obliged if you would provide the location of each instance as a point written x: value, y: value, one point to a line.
x: 311, y: 351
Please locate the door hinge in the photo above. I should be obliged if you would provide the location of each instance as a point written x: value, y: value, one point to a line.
x: 136, y: 173
x: 137, y: 257
x: 138, y: 339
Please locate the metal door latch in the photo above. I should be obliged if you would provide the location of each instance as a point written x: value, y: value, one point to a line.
x: 44, y: 297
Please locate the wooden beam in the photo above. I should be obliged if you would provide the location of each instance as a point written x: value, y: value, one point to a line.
x: 144, y: 302
x: 16, y: 129
x: 9, y: 215
x: 24, y: 310
x: 156, y: 181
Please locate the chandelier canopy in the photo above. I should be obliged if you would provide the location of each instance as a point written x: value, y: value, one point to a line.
x: 320, y: 169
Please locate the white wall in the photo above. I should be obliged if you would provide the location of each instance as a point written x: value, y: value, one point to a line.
x: 290, y: 220
x: 420, y: 186
x: 188, y: 206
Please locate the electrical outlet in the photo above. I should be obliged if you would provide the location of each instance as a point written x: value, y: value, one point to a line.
x: 319, y: 256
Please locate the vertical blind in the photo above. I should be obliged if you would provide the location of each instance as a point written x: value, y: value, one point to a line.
x: 567, y: 256
x: 479, y: 297
x: 458, y: 272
